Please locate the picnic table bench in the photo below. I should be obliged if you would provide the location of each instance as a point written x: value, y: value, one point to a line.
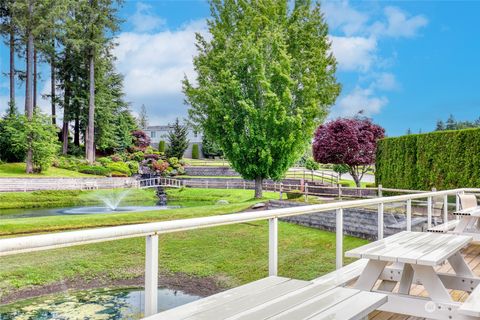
x: 283, y: 298
x: 414, y: 256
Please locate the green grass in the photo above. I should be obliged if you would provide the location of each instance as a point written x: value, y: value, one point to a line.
x: 17, y: 170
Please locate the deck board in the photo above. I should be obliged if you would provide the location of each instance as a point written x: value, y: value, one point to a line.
x: 472, y: 256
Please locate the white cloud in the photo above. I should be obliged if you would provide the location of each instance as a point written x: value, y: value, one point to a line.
x: 154, y: 66
x: 341, y: 15
x: 144, y: 20
x: 385, y: 81
x: 359, y: 99
x: 354, y: 53
x: 399, y: 24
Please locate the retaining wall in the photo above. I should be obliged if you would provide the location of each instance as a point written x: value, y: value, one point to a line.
x: 210, y: 171
x: 357, y: 222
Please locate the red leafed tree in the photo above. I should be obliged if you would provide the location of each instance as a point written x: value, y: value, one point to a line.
x: 349, y: 141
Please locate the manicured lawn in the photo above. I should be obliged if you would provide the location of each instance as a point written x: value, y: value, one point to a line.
x: 231, y: 254
x: 17, y: 170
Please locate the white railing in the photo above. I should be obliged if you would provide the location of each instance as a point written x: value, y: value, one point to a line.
x: 152, y: 230
x: 160, y: 182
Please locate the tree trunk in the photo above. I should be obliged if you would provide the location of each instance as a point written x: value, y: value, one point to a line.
x: 90, y: 134
x: 28, y: 89
x: 258, y: 188
x: 12, y: 70
x: 34, y: 77
x: 76, y: 134
x: 65, y: 136
x: 53, y: 80
x: 356, y: 178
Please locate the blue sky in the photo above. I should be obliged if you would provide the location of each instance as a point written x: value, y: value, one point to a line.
x: 406, y: 64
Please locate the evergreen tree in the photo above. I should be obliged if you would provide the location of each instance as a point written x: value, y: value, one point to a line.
x: 265, y: 79
x: 440, y: 126
x: 451, y: 124
x: 177, y: 140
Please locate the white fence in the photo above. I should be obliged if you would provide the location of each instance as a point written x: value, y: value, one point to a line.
x: 152, y: 231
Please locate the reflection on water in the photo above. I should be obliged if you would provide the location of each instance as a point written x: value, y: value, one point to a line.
x: 35, y: 212
x: 93, y: 304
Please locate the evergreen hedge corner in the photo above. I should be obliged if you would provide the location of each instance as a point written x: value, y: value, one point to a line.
x: 444, y: 160
x: 195, y: 152
x: 161, y: 146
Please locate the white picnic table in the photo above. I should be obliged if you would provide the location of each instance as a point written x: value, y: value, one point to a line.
x: 413, y: 258
x: 468, y: 222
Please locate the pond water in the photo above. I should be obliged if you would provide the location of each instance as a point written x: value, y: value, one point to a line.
x: 92, y: 305
x: 45, y: 212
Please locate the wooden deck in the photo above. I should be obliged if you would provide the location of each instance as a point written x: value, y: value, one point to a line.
x: 472, y: 257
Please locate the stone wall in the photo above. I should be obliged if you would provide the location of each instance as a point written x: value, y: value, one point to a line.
x: 210, y: 171
x: 35, y: 184
x: 357, y: 222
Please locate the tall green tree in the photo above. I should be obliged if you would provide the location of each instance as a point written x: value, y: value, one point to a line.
x: 265, y: 79
x: 177, y: 140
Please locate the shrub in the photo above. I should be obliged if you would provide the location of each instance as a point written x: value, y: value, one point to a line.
x: 195, y: 152
x: 97, y: 170
x: 310, y: 164
x: 151, y: 156
x: 121, y: 167
x: 140, y: 140
x: 174, y: 162
x: 161, y: 146
x: 370, y: 185
x: 104, y: 161
x: 444, y: 159
x: 118, y: 174
x: 294, y: 194
x: 136, y: 156
x: 133, y: 166
x: 116, y: 158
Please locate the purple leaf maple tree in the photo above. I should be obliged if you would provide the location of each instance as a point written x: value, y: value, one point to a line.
x: 348, y: 141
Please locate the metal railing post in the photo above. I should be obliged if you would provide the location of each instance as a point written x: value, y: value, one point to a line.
x: 306, y: 192
x: 339, y: 239
x: 151, y: 275
x: 429, y: 212
x: 409, y: 215
x: 380, y: 221
x: 272, y: 246
x: 445, y: 209
x: 380, y: 193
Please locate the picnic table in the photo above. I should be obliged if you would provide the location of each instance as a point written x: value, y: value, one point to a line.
x: 468, y: 224
x: 407, y: 257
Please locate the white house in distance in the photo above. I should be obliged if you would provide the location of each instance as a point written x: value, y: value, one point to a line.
x: 160, y: 133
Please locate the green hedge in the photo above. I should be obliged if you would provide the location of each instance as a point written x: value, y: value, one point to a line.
x: 195, y: 152
x: 161, y: 146
x: 444, y: 159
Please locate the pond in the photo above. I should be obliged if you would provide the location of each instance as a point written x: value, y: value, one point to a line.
x: 45, y: 212
x: 92, y: 305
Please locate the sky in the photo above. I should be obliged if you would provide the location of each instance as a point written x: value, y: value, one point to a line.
x: 406, y: 64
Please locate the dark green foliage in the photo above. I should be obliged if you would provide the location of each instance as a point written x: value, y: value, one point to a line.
x: 210, y: 148
x: 97, y: 170
x: 444, y: 160
x: 177, y: 140
x: 161, y: 146
x: 195, y: 152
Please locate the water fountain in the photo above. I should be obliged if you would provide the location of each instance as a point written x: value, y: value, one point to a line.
x: 112, y: 203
